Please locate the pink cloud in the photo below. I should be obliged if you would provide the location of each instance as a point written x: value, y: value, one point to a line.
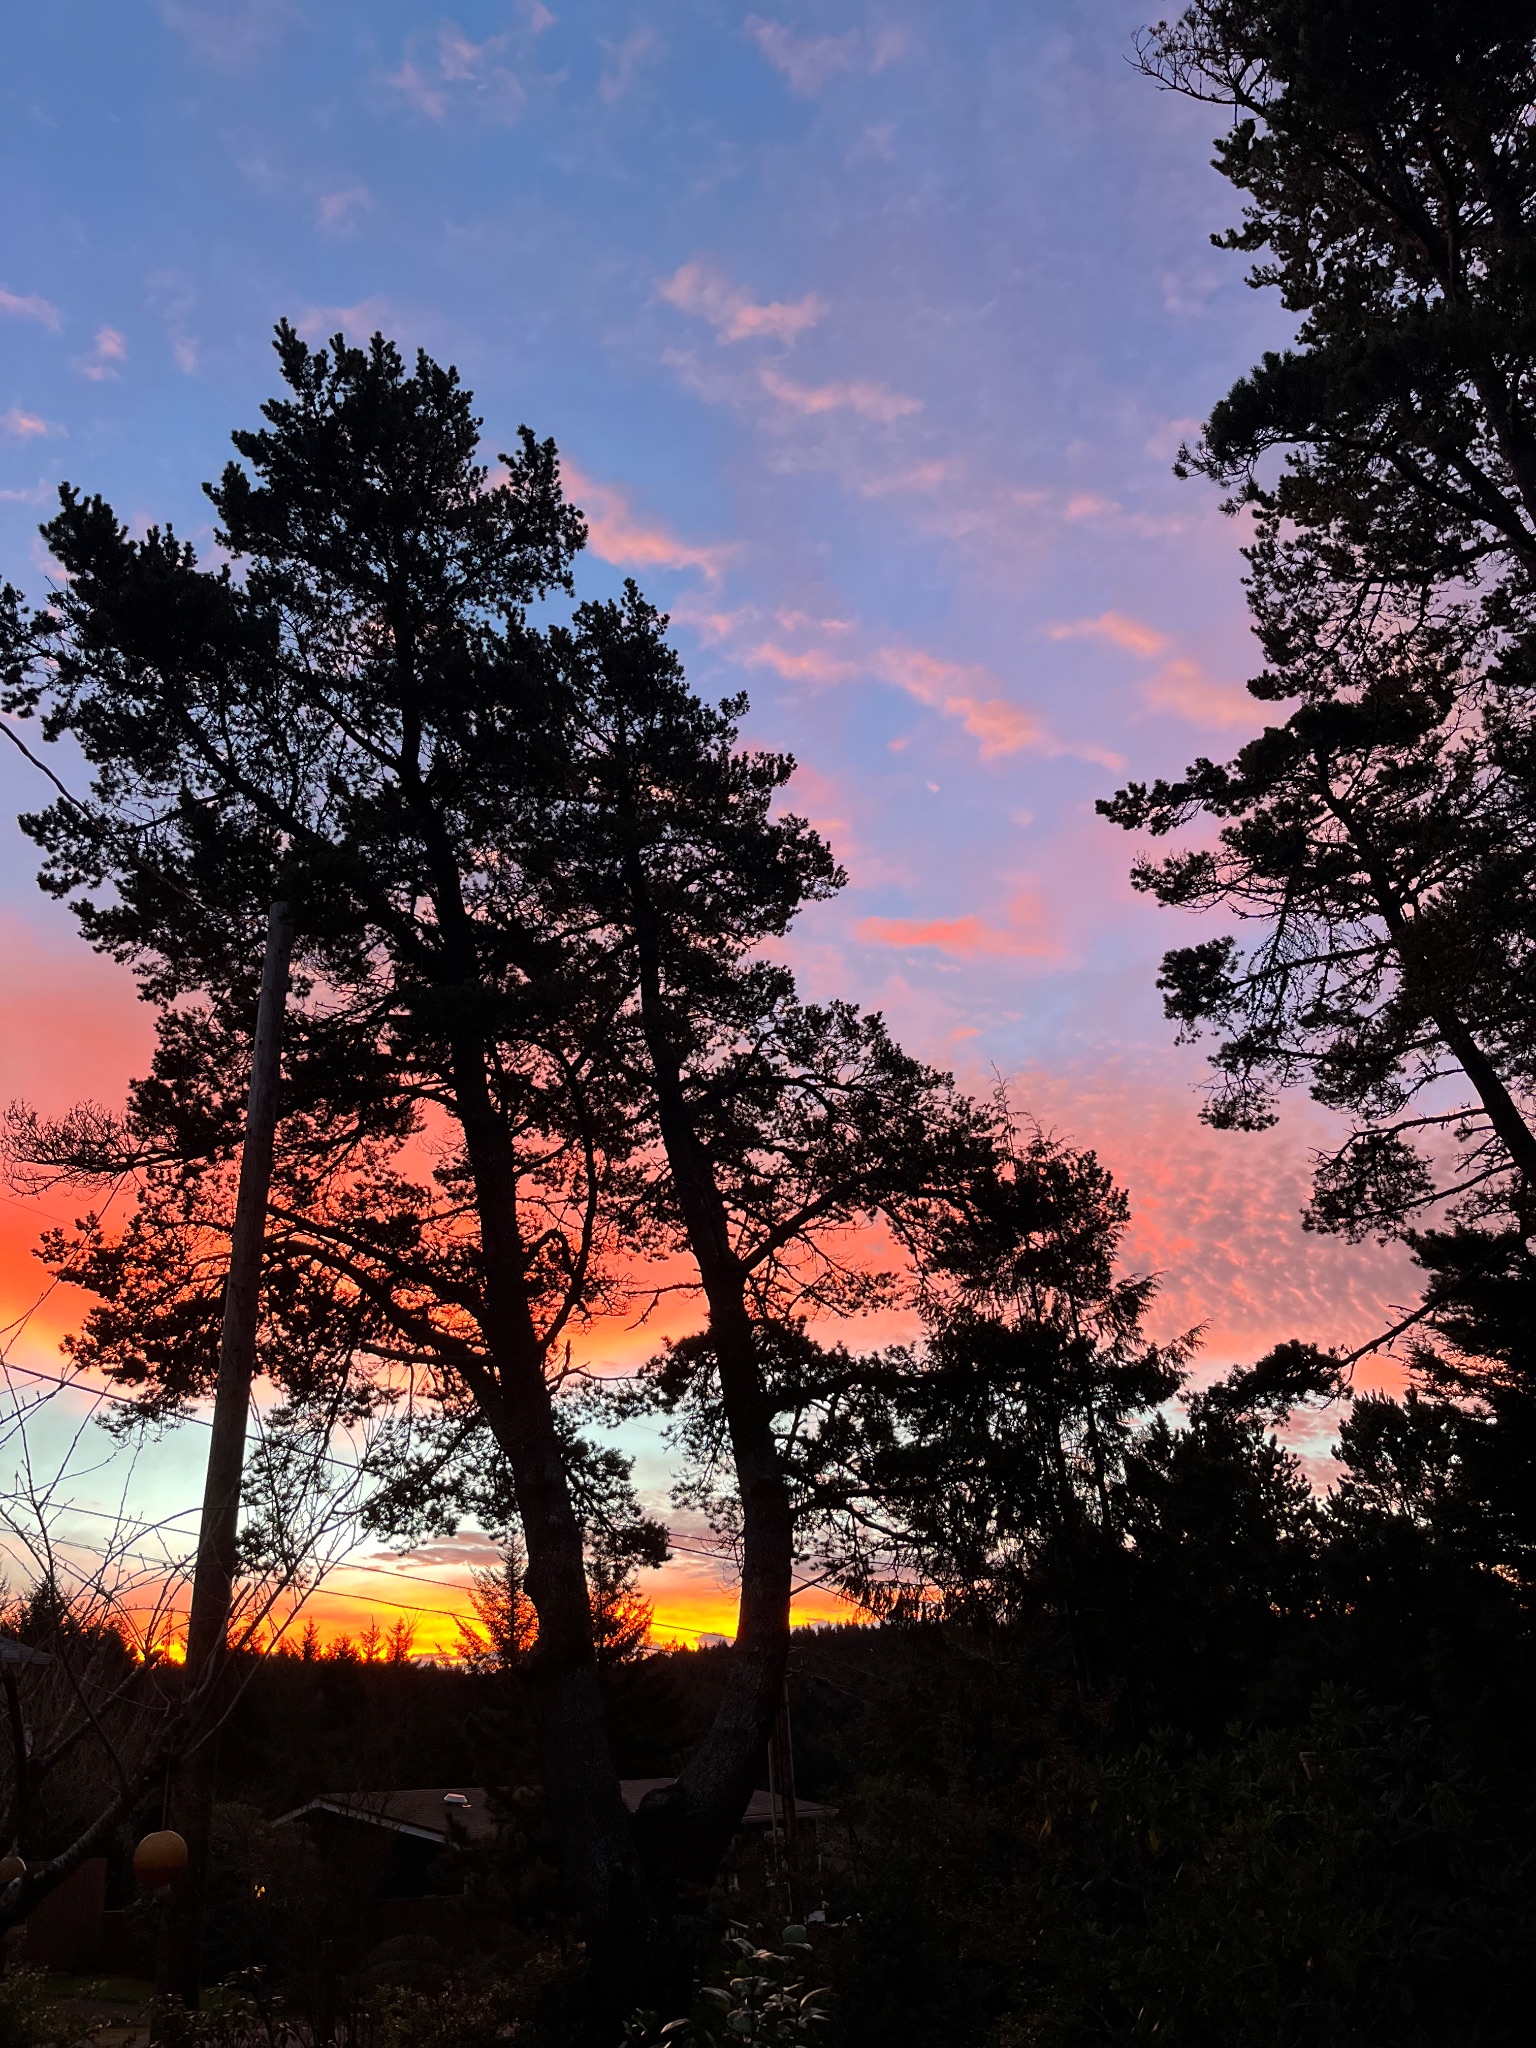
x: 1183, y: 688
x: 811, y: 664
x: 713, y: 626
x: 30, y: 306
x: 228, y: 36
x: 365, y: 317
x: 617, y: 534
x: 336, y: 209
x: 871, y: 401
x: 1115, y: 627
x: 1216, y: 1213
x: 172, y: 295
x: 808, y: 62
x: 1089, y: 505
x: 967, y: 938
x: 418, y: 91
x: 1180, y: 686
x: 923, y: 476
x: 1001, y: 726
x: 622, y: 63
x: 799, y: 622
x: 110, y: 349
x: 699, y: 289
x: 17, y: 425
x: 1166, y: 442
x: 463, y: 74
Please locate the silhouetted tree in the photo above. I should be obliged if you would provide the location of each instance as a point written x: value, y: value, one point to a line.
x: 1379, y: 847
x: 529, y: 872
x: 1388, y: 170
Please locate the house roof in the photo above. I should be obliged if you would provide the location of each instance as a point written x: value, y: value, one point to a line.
x: 434, y: 1813
x: 428, y: 1813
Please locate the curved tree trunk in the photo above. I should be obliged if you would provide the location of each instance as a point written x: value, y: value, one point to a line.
x: 591, y: 1825
x: 686, y: 1829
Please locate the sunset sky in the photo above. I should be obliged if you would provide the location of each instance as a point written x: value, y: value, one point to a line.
x: 868, y: 335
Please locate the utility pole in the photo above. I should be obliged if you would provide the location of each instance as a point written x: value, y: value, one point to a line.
x: 214, y: 1580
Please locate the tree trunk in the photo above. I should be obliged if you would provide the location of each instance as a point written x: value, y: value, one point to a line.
x: 213, y: 1583
x: 587, y: 1813
x: 687, y: 1828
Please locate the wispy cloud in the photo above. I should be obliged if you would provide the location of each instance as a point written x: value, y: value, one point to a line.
x: 109, y: 349
x: 699, y: 289
x: 373, y: 315
x: 618, y: 534
x: 1185, y: 689
x: 30, y: 306
x: 801, y: 665
x: 173, y: 298
x: 922, y: 476
x: 463, y: 75
x: 230, y: 36
x: 1179, y: 686
x: 17, y: 425
x: 966, y: 692
x: 1088, y: 505
x: 1025, y: 935
x: 336, y: 211
x: 870, y: 401
x: 1001, y: 726
x: 1116, y: 628
x: 808, y: 62
x: 622, y: 62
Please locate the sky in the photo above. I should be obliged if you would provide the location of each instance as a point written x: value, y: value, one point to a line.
x: 868, y: 335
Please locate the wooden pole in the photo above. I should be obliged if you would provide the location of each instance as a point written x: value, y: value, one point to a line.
x: 214, y: 1580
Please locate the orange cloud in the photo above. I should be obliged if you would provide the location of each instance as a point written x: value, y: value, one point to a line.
x: 17, y: 425
x: 968, y: 937
x: 617, y: 534
x: 698, y: 289
x: 1180, y: 686
x: 1001, y: 726
x: 811, y: 664
x: 1115, y: 627
x: 71, y: 1028
x: 1186, y: 690
x: 870, y: 401
x: 1217, y: 1214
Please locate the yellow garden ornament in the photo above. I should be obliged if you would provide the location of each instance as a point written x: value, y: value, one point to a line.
x: 160, y: 1858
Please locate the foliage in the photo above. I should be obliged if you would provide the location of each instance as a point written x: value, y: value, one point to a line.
x: 766, y: 2001
x: 31, y: 2018
x: 1378, y: 847
x: 958, y: 1473
x: 1385, y: 156
x: 1346, y: 1878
